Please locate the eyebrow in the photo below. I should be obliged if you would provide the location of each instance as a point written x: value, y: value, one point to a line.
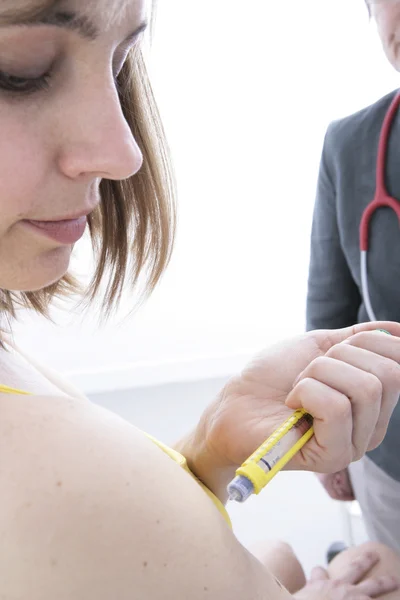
x: 65, y: 19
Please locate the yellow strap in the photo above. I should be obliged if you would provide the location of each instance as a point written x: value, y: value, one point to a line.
x: 4, y: 389
x: 181, y: 460
x: 176, y: 456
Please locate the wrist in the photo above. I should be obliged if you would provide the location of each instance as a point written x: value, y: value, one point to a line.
x: 206, y: 465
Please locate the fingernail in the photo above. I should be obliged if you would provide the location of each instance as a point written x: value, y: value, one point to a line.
x: 384, y: 331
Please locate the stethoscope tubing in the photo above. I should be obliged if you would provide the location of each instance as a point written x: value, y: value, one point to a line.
x: 381, y: 199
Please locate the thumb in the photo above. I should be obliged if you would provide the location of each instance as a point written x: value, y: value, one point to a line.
x: 329, y: 338
x: 319, y: 574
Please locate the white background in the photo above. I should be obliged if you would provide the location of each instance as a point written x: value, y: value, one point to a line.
x: 246, y: 90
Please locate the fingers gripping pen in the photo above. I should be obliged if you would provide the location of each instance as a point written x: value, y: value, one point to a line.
x: 271, y: 456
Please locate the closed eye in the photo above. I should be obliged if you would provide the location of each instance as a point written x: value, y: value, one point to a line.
x: 24, y: 85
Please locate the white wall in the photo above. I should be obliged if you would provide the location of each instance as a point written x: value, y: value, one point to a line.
x: 246, y: 90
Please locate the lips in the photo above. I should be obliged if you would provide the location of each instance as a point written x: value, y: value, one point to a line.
x: 65, y: 232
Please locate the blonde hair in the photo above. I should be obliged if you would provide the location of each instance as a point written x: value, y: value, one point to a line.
x: 133, y: 229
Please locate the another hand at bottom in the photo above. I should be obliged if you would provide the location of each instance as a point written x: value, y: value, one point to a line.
x: 351, y: 585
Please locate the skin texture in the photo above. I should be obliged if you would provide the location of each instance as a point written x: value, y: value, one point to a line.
x: 94, y: 522
x: 63, y: 139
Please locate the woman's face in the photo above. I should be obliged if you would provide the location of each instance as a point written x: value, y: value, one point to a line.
x: 387, y: 16
x: 61, y: 127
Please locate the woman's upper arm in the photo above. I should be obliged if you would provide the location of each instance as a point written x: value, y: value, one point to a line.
x: 91, y: 510
x: 333, y: 297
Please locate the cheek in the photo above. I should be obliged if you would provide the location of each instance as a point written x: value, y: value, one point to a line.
x: 388, y: 18
x: 23, y: 166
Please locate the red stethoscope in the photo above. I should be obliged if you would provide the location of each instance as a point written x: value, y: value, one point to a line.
x: 381, y: 199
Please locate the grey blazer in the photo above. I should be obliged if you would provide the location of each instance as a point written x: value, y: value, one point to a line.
x: 346, y: 185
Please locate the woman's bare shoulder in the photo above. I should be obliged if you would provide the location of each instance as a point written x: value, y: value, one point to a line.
x: 91, y: 509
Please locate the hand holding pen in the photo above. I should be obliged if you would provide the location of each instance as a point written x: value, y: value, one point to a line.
x: 348, y: 380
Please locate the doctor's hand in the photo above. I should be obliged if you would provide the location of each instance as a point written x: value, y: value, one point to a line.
x: 354, y: 582
x: 347, y: 379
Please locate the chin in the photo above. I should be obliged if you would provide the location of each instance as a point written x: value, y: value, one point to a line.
x: 42, y: 271
x: 394, y: 56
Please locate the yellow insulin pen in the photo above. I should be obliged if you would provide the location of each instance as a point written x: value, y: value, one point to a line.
x: 271, y: 456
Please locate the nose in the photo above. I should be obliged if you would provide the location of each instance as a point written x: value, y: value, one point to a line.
x: 97, y: 140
